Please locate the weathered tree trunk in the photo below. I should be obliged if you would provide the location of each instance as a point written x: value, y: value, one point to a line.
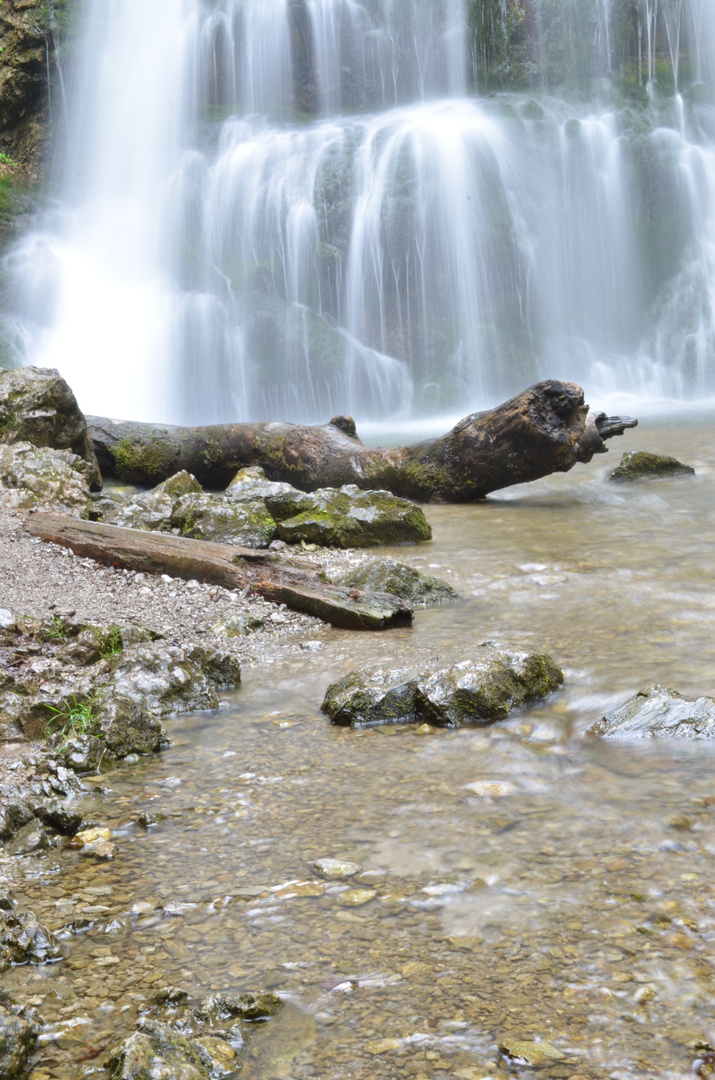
x: 275, y: 576
x: 545, y: 429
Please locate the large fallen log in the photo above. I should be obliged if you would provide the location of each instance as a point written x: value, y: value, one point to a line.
x: 547, y: 428
x: 275, y: 576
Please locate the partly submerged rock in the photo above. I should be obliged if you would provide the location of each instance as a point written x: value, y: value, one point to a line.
x: 38, y: 407
x: 477, y: 690
x: 213, y: 517
x: 158, y: 1050
x: 33, y: 478
x: 644, y: 465
x: 659, y: 711
x: 388, y: 576
x: 18, y: 1033
x: 23, y: 940
x: 347, y: 517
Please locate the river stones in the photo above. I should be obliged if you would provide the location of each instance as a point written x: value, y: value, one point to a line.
x: 659, y: 711
x: 477, y: 690
x: 644, y: 465
x: 398, y: 579
x: 335, y: 869
x: 347, y: 517
x: 38, y: 407
x: 33, y: 478
x: 23, y: 940
x: 17, y: 1039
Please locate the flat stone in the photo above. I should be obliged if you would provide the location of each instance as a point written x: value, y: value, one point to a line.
x: 659, y: 711
x: 644, y: 465
x: 291, y: 889
x: 356, y: 897
x: 526, y: 1052
x: 478, y: 690
x: 388, y: 576
x: 336, y: 869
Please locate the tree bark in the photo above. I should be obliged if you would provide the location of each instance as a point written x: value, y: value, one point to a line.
x: 275, y: 576
x: 547, y: 428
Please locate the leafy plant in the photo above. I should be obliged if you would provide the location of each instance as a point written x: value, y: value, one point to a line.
x: 75, y: 717
x: 5, y: 159
x: 56, y: 631
x: 112, y: 643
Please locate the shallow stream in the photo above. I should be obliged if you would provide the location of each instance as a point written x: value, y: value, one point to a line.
x: 530, y: 883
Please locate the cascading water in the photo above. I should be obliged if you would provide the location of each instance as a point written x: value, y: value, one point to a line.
x: 291, y: 208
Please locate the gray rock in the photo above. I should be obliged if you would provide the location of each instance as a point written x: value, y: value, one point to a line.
x: 13, y: 816
x: 62, y: 818
x: 31, y: 837
x: 347, y: 517
x: 399, y: 580
x: 148, y: 511
x: 38, y: 407
x: 33, y: 478
x: 659, y: 711
x: 158, y: 1051
x: 23, y: 940
x: 252, y: 483
x: 644, y: 465
x: 7, y: 619
x: 181, y: 483
x: 213, y: 517
x: 239, y: 625
x: 17, y: 1040
x: 478, y: 690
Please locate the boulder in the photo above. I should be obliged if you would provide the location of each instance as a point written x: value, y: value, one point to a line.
x: 252, y: 483
x: 152, y: 510
x: 388, y: 576
x: 44, y: 479
x: 213, y: 517
x: 659, y: 711
x: 158, y: 1050
x: 643, y: 465
x: 477, y: 690
x: 17, y: 1039
x: 23, y: 940
x: 38, y: 407
x: 347, y: 517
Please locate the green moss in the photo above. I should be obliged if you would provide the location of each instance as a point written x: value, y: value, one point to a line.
x: 154, y: 459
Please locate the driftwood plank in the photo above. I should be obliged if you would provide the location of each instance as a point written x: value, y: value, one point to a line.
x: 272, y: 575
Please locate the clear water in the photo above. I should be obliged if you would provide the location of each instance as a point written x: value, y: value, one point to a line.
x: 567, y: 896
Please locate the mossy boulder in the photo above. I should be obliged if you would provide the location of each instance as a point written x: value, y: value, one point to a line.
x: 38, y: 407
x: 644, y: 465
x: 33, y: 478
x: 398, y: 579
x: 659, y: 712
x: 480, y: 689
x: 347, y: 517
x: 152, y: 510
x: 213, y: 517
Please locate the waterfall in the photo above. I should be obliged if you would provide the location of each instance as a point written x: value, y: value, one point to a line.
x: 293, y: 208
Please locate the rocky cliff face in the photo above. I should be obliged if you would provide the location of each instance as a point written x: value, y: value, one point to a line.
x: 26, y: 49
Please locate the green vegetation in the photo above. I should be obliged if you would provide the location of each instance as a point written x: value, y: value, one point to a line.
x: 75, y: 717
x: 56, y: 631
x: 112, y: 643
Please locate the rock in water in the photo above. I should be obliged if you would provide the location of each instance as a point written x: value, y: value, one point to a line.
x: 643, y: 465
x: 659, y: 711
x: 477, y: 690
x: 35, y: 478
x: 347, y: 517
x: 23, y: 940
x: 388, y: 576
x: 17, y: 1040
x: 157, y: 1050
x: 38, y: 407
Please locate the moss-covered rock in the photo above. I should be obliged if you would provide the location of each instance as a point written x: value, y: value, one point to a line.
x: 213, y: 517
x: 399, y: 580
x: 251, y: 483
x: 347, y: 517
x: 478, y: 690
x: 158, y: 1050
x: 659, y: 711
x: 644, y: 465
x: 38, y: 407
x: 43, y: 479
x: 151, y: 510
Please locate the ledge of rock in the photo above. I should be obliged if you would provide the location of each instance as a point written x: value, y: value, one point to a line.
x: 398, y: 579
x: 659, y: 711
x: 644, y: 465
x: 37, y: 406
x: 34, y: 478
x: 478, y: 690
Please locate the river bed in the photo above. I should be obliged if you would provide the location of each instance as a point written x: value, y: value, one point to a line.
x: 530, y: 883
